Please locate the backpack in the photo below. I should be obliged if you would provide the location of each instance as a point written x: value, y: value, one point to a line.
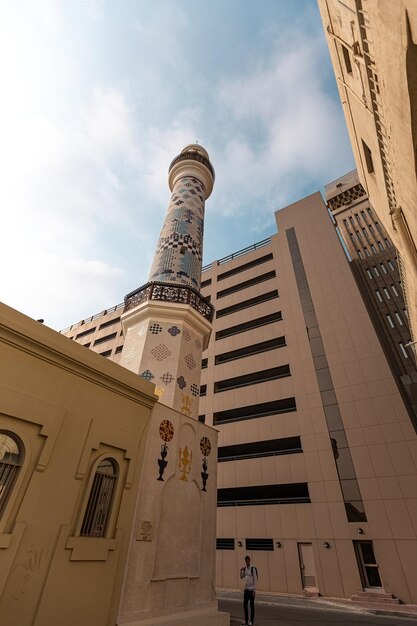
x: 256, y: 570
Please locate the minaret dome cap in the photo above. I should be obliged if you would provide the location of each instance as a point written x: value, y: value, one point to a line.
x: 192, y: 161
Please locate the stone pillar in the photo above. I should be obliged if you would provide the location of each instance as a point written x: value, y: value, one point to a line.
x: 167, y: 323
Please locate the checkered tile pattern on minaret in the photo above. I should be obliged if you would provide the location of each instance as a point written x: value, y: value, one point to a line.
x: 178, y: 256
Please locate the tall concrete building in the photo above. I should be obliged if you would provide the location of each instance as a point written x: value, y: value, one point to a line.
x: 374, y: 262
x: 373, y: 48
x: 317, y: 470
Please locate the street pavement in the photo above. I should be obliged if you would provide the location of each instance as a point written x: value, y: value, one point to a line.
x: 299, y: 612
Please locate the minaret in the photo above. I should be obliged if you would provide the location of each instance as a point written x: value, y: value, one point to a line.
x: 167, y: 322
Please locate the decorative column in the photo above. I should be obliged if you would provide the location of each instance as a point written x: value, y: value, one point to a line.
x: 167, y: 322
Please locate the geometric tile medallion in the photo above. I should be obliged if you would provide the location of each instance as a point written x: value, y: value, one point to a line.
x: 189, y: 359
x: 181, y: 382
x: 198, y: 345
x: 194, y: 390
x: 147, y: 374
x: 167, y: 378
x: 187, y: 335
x: 174, y: 331
x: 161, y: 352
x: 205, y: 446
x: 166, y: 430
x: 155, y: 329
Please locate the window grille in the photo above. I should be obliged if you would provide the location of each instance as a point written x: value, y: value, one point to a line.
x: 97, y: 513
x: 259, y: 544
x: 11, y: 457
x: 225, y: 543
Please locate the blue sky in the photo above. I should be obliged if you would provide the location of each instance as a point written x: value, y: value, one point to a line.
x: 98, y: 97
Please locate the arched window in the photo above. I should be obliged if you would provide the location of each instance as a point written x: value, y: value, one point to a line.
x: 11, y: 457
x: 97, y: 512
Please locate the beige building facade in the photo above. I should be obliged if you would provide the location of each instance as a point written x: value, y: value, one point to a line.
x: 373, y: 48
x: 317, y: 472
x: 107, y: 500
x: 69, y: 476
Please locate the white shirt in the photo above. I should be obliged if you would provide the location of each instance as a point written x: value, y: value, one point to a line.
x: 250, y: 579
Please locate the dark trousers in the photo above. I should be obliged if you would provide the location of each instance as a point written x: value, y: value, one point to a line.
x: 248, y: 597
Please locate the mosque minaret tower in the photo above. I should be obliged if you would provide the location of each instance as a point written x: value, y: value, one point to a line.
x: 167, y: 322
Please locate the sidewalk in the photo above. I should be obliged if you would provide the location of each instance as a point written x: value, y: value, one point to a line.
x: 400, y: 610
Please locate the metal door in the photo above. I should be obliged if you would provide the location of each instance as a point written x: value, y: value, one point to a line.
x: 307, y: 567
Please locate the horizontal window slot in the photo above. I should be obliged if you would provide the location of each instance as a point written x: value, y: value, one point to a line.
x: 119, y: 349
x: 86, y: 332
x: 253, y: 411
x: 103, y: 339
x: 206, y: 283
x: 253, y: 378
x: 292, y: 493
x: 245, y: 304
x: 106, y: 353
x: 248, y: 283
x: 256, y: 323
x: 245, y: 266
x: 222, y: 543
x: 109, y: 323
x: 259, y: 544
x: 258, y: 449
x: 255, y: 348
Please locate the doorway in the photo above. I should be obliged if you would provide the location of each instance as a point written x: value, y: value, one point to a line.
x: 368, y: 566
x: 307, y: 566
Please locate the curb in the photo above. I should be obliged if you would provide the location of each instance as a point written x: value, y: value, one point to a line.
x: 331, y: 604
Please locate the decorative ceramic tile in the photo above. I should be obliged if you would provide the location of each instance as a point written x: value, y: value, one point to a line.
x: 161, y: 352
x: 147, y: 374
x: 198, y: 344
x: 181, y: 382
x: 166, y: 431
x: 187, y: 335
x: 189, y: 359
x: 205, y: 446
x: 155, y: 329
x: 159, y: 391
x: 174, y: 331
x: 194, y: 390
x: 167, y: 378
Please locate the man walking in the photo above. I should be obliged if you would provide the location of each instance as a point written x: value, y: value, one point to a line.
x: 250, y: 574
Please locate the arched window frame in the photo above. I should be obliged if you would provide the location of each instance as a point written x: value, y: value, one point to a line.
x: 89, y: 511
x: 14, y: 477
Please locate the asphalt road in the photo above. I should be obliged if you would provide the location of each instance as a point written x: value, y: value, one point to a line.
x: 284, y: 615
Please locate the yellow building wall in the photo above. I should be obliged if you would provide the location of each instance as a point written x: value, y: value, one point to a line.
x: 70, y: 409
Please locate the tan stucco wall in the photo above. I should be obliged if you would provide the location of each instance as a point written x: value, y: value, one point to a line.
x: 69, y: 407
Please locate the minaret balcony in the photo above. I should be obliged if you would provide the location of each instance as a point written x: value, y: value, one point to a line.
x: 167, y: 292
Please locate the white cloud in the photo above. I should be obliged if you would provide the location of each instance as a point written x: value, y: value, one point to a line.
x: 85, y: 153
x: 283, y: 102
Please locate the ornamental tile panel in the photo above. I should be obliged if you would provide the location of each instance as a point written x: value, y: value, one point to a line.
x: 189, y: 359
x: 161, y: 352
